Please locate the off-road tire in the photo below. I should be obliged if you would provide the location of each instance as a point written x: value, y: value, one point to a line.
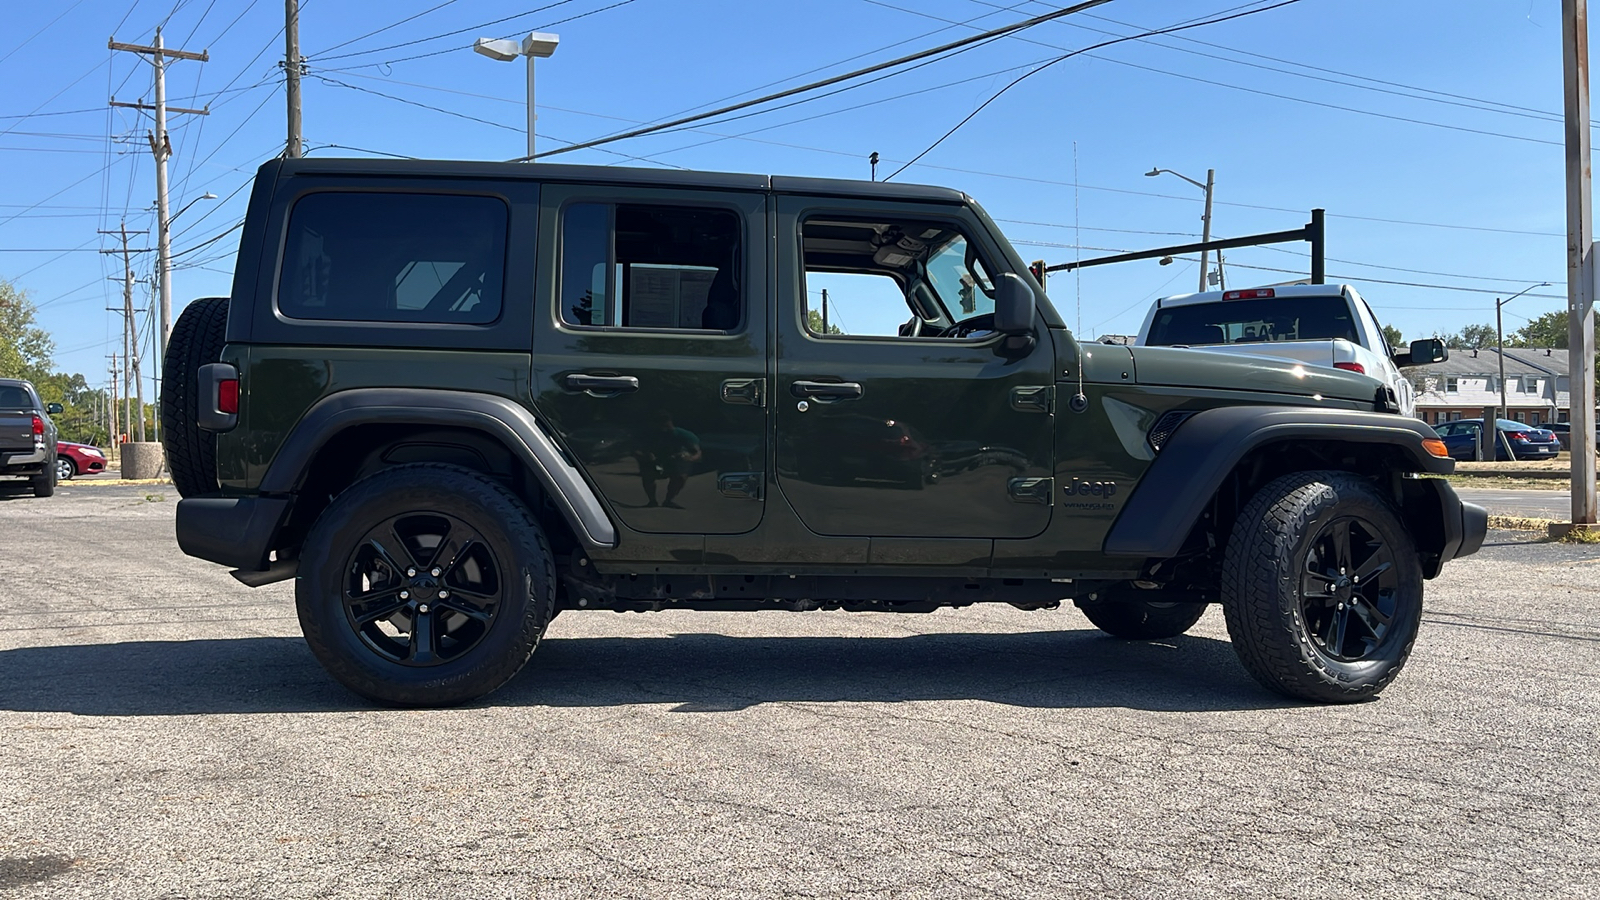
x: 1263, y: 573
x: 197, y: 339
x: 513, y: 536
x: 1142, y: 620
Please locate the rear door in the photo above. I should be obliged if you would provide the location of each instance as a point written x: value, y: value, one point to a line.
x: 650, y: 350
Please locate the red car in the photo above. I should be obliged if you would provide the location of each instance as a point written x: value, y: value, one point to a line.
x: 78, y: 459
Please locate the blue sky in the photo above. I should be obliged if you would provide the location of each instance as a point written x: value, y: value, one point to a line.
x: 1439, y: 113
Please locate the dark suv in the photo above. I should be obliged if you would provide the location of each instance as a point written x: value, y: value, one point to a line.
x: 452, y: 399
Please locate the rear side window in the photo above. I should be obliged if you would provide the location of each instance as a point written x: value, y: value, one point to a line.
x: 1254, y: 321
x: 646, y: 266
x: 393, y: 257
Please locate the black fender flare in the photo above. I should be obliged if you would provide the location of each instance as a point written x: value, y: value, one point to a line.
x: 504, y: 419
x: 1193, y: 463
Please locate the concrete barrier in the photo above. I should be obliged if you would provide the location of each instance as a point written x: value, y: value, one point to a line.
x: 141, y: 459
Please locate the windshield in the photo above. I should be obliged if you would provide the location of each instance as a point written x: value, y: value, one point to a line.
x: 1267, y: 319
x: 963, y: 291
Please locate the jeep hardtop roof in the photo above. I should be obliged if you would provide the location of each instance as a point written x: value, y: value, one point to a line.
x: 553, y: 172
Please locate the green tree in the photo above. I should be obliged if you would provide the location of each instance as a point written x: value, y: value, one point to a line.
x: 1392, y: 336
x: 814, y: 323
x: 1472, y: 337
x: 25, y: 348
x: 1548, y: 330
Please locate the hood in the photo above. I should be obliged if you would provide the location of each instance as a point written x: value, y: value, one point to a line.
x: 1200, y: 368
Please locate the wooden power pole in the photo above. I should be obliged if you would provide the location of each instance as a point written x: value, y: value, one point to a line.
x: 291, y: 71
x: 1580, y: 259
x: 161, y: 146
x: 131, y: 351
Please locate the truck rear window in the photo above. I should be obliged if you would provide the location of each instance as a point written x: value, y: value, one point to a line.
x: 1254, y: 321
x: 394, y: 257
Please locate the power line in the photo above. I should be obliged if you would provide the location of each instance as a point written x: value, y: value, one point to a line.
x: 931, y: 53
x: 385, y: 28
x: 479, y: 27
x: 1029, y: 74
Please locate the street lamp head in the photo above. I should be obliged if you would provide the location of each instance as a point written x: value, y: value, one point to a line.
x: 208, y: 196
x: 1152, y: 173
x: 540, y: 44
x: 497, y: 48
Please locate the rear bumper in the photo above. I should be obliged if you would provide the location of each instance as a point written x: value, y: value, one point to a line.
x: 232, y: 531
x: 25, y: 458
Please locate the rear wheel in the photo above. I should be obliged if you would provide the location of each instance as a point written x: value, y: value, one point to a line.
x: 1322, y: 587
x: 65, y: 469
x: 1142, y: 620
x: 197, y: 339
x: 45, y: 485
x: 425, y: 585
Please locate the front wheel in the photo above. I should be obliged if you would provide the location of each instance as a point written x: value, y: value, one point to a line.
x: 1322, y: 588
x: 425, y: 585
x: 65, y: 469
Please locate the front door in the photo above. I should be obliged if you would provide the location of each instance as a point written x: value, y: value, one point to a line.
x: 650, y: 350
x: 899, y: 414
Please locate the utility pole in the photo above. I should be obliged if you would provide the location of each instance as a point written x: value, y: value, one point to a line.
x: 291, y: 71
x: 161, y: 146
x: 824, y: 311
x: 131, y: 351
x: 116, y: 433
x: 1580, y: 258
x: 1211, y: 181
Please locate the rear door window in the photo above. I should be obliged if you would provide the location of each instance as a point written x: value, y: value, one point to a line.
x: 395, y: 257
x: 1264, y: 320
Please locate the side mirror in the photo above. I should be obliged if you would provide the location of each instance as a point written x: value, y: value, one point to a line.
x: 1423, y: 353
x: 1015, y: 307
x: 54, y: 409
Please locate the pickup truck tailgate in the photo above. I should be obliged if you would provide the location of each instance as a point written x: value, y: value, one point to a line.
x: 16, y: 432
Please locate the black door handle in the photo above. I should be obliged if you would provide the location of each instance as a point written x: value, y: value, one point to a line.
x: 602, y: 384
x: 826, y: 390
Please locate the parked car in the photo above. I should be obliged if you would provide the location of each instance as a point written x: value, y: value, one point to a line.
x: 26, y: 434
x: 1317, y: 324
x: 1563, y: 433
x: 1527, y: 442
x: 73, y: 459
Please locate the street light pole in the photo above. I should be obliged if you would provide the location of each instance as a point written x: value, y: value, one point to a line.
x: 535, y: 46
x: 1205, y: 235
x: 1500, y: 339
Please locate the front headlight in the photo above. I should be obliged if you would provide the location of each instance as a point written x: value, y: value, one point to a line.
x: 91, y: 451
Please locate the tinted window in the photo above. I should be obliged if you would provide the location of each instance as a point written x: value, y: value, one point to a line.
x: 640, y: 266
x: 15, y: 397
x: 382, y: 257
x: 1254, y: 321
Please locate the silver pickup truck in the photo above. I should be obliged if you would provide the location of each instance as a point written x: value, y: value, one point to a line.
x: 27, y: 436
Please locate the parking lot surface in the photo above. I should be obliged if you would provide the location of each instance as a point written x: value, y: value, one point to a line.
x: 165, y: 733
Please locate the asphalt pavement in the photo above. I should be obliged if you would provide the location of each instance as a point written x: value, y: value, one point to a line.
x: 165, y: 733
x: 1536, y: 504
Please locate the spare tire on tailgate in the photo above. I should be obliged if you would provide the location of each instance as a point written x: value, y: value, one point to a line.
x: 196, y: 340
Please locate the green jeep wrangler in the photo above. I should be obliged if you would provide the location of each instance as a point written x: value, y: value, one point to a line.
x: 452, y: 399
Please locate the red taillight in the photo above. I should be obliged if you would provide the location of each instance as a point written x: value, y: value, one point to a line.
x: 1252, y: 294
x: 38, y: 425
x: 1517, y: 435
x: 228, y: 396
x: 1358, y: 368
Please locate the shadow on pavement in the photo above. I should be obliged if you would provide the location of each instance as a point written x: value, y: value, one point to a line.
x: 692, y: 672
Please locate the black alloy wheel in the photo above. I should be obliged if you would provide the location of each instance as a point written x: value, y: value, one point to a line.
x: 1349, y: 592
x: 422, y: 588
x: 425, y: 585
x: 1322, y: 587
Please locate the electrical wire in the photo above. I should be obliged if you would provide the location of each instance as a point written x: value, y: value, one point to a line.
x: 1029, y: 74
x: 363, y: 37
x: 941, y: 51
x: 435, y: 37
